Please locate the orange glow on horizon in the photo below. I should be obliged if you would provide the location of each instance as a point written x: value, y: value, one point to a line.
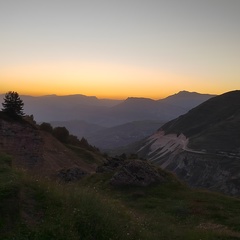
x: 103, y: 80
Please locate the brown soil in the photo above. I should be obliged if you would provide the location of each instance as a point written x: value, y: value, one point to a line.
x: 57, y: 156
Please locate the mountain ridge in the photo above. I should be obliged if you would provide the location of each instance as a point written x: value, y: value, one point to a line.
x: 223, y: 111
x: 105, y: 112
x: 202, y: 146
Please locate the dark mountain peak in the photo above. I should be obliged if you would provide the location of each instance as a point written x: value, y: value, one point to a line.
x: 186, y: 99
x: 184, y: 93
x: 50, y: 95
x: 139, y: 99
x: 187, y: 94
x: 79, y: 96
x: 231, y: 94
x: 137, y: 102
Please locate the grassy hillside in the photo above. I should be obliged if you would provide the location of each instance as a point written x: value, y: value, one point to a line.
x: 33, y: 208
x: 213, y: 125
x: 37, y: 209
x: 38, y: 150
x: 89, y: 157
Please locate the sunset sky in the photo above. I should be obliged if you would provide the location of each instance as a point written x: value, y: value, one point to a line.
x: 117, y: 49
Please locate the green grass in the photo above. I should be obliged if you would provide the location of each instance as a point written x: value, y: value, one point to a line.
x: 39, y: 209
x: 173, y: 211
x: 88, y: 156
x: 9, y: 190
x: 48, y: 210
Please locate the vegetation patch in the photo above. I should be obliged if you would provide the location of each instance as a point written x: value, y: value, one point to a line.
x: 39, y: 209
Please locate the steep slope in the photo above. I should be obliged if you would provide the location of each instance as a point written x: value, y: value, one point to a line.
x: 39, y: 151
x: 202, y: 146
x: 213, y: 125
x: 21, y: 139
x: 57, y: 156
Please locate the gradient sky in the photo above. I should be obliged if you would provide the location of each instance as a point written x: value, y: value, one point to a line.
x: 116, y: 49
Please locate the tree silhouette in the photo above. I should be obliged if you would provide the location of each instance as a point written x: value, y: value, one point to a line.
x: 47, y: 127
x: 61, y: 133
x: 12, y: 104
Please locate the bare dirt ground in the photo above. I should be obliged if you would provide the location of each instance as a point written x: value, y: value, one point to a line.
x: 57, y: 156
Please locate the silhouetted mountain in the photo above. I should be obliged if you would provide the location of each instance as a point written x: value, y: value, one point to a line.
x: 61, y: 108
x: 135, y: 109
x: 106, y: 112
x: 186, y: 99
x: 202, y: 146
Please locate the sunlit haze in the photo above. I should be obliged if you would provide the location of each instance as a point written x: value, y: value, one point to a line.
x: 118, y: 49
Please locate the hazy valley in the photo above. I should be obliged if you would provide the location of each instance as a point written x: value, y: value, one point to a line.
x: 105, y: 122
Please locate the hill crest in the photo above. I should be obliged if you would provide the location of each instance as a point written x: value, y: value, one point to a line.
x: 39, y: 151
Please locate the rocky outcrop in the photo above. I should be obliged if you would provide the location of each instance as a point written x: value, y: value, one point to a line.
x: 214, y: 172
x: 136, y: 173
x: 110, y: 165
x: 219, y: 171
x: 71, y: 174
x: 21, y: 140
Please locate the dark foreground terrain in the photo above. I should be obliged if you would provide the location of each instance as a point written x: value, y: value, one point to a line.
x: 35, y: 208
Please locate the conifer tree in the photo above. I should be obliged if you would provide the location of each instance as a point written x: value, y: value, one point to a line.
x: 13, y: 105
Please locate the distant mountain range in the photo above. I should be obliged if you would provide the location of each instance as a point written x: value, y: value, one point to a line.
x: 110, y: 123
x: 203, y: 146
x: 64, y: 108
x: 107, y: 112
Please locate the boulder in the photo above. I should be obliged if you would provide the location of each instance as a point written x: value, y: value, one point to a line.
x: 71, y: 174
x: 136, y: 173
x: 110, y: 165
